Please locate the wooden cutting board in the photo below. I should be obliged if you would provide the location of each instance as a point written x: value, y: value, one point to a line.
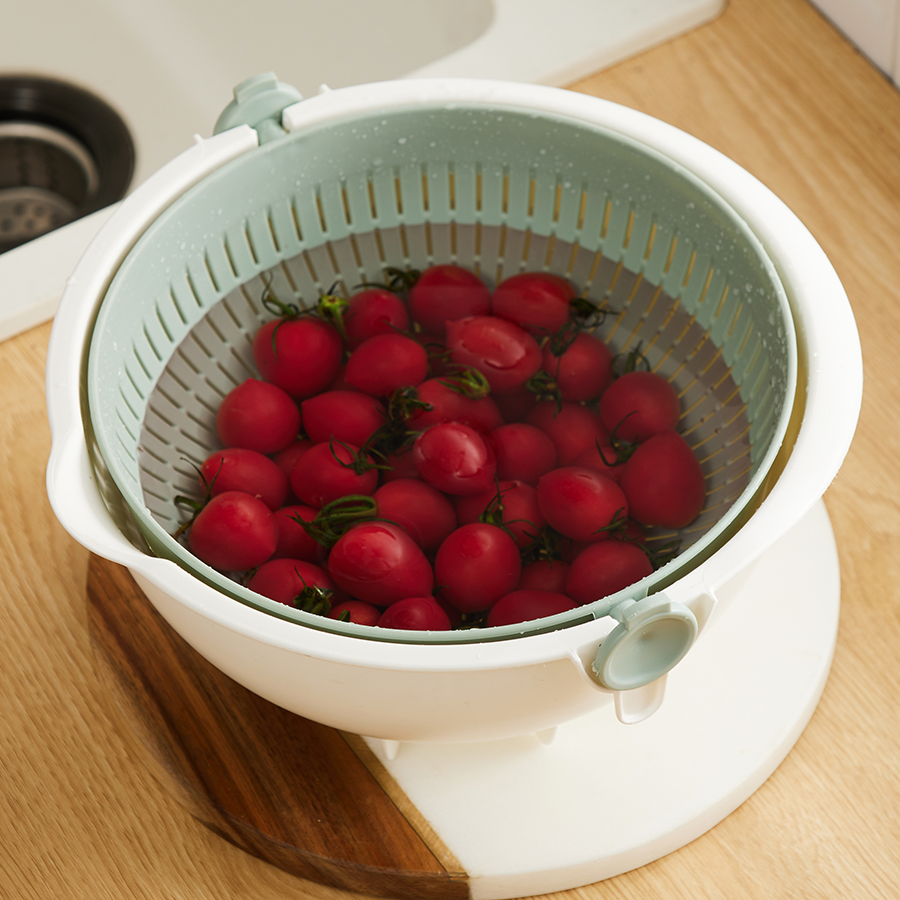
x: 304, y: 797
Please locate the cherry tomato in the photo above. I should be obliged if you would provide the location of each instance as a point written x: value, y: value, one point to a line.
x: 286, y: 459
x: 516, y: 406
x: 357, y: 611
x: 258, y: 416
x: 663, y: 481
x: 604, y: 568
x: 386, y: 362
x: 538, y: 301
x: 326, y: 472
x: 447, y: 292
x: 237, y: 469
x: 454, y: 458
x: 450, y: 403
x: 373, y: 311
x: 580, y: 503
x: 295, y: 582
x: 527, y: 605
x: 420, y: 509
x: 475, y: 566
x: 302, y: 355
x: 233, y: 532
x: 544, y: 575
x: 582, y: 370
x: 504, y: 353
x: 524, y: 452
x: 293, y: 540
x: 573, y: 428
x: 415, y: 614
x: 380, y: 563
x: 349, y: 416
x: 603, y: 458
x: 512, y: 504
x: 638, y: 405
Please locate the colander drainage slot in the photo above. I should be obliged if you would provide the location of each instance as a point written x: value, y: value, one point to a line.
x: 64, y: 153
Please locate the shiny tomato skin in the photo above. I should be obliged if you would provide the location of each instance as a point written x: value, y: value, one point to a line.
x: 504, y: 353
x: 415, y: 614
x: 444, y: 293
x: 324, y: 474
x: 579, y: 503
x: 257, y: 416
x: 527, y: 605
x: 378, y: 562
x: 423, y: 511
x: 605, y: 568
x: 349, y: 416
x: 233, y: 532
x: 538, y: 301
x: 573, y: 428
x: 383, y: 363
x: 663, y: 480
x: 302, y: 356
x: 583, y: 370
x: 238, y: 469
x: 454, y: 458
x: 475, y: 566
x: 373, y: 311
x: 638, y: 405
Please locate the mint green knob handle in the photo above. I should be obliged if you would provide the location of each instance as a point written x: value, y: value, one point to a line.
x: 653, y: 635
x: 259, y: 102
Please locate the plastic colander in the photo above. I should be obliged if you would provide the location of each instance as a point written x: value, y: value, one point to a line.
x: 295, y: 196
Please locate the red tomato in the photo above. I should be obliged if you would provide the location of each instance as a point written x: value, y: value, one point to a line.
x: 544, y: 575
x: 638, y: 405
x: 580, y: 503
x: 447, y: 292
x: 454, y: 458
x: 293, y: 540
x: 573, y: 428
x: 357, y: 611
x: 524, y: 452
x: 373, y: 311
x: 449, y: 404
x: 348, y: 416
x: 415, y: 614
x: 475, y: 566
x: 602, y: 569
x: 419, y: 509
x: 527, y: 605
x: 380, y: 563
x: 583, y: 370
x: 402, y: 465
x: 603, y: 458
x: 294, y: 582
x: 538, y: 301
x: 237, y: 469
x: 302, y: 356
x: 516, y: 508
x: 233, y: 532
x: 663, y: 481
x: 286, y: 459
x: 326, y: 472
x: 504, y: 353
x: 516, y: 406
x: 386, y: 362
x: 258, y: 416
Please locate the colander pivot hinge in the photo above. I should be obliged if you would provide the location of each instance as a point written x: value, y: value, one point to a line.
x: 259, y: 102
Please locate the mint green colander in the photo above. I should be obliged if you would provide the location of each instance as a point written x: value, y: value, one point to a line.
x: 338, y: 193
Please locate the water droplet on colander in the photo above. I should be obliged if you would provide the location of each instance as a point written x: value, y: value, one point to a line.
x: 401, y: 140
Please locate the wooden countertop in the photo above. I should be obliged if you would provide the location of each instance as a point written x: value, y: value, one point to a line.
x: 774, y: 86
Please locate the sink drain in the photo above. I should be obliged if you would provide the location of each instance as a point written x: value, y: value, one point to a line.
x: 64, y: 153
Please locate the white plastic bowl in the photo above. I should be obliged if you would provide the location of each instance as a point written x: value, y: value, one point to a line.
x: 469, y: 691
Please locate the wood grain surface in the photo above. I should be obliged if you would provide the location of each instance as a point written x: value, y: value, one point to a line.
x: 774, y: 86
